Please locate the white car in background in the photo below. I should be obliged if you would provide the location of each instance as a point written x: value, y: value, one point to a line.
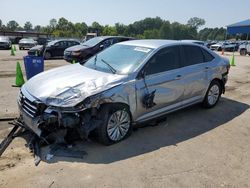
x: 27, y: 43
x: 244, y: 48
x: 224, y: 45
x: 5, y: 43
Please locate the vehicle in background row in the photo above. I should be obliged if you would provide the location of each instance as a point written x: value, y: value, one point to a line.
x: 129, y: 83
x: 224, y: 45
x: 210, y: 43
x: 89, y: 48
x: 5, y: 43
x: 90, y: 36
x: 53, y: 49
x: 27, y: 43
x: 244, y: 48
x: 231, y: 47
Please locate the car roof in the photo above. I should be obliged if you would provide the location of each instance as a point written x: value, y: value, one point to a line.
x: 107, y: 37
x: 192, y: 41
x: 58, y: 40
x: 152, y: 43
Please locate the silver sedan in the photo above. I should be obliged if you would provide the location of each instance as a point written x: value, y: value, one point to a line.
x: 129, y: 83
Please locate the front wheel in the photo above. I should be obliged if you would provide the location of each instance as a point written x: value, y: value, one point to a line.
x: 243, y: 52
x: 116, y: 126
x: 213, y: 94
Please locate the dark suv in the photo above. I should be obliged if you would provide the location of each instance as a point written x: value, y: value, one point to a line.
x: 84, y: 51
x: 53, y: 49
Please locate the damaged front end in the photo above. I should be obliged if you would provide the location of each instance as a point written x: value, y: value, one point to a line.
x: 46, y: 120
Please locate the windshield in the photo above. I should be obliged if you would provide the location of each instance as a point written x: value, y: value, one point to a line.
x: 4, y: 38
x: 93, y: 41
x: 27, y: 40
x: 51, y: 43
x: 119, y: 59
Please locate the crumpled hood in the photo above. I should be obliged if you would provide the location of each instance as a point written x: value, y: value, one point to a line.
x: 77, y: 48
x: 71, y: 81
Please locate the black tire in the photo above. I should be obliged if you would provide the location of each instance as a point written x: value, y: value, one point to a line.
x: 206, y: 102
x: 105, y: 115
x: 243, y: 52
x: 20, y: 48
x: 219, y: 49
x: 47, y: 55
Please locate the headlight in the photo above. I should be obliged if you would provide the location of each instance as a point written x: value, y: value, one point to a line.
x: 71, y: 96
x: 77, y: 53
x: 68, y: 97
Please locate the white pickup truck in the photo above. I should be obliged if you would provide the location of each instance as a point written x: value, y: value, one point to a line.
x: 244, y: 48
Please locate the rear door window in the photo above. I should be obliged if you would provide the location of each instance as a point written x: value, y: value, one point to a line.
x: 192, y: 55
x: 207, y: 56
x: 165, y: 60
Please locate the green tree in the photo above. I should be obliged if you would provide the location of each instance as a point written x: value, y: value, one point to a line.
x: 80, y: 29
x: 120, y: 28
x: 196, y: 22
x: 63, y: 24
x: 28, y: 26
x: 1, y: 23
x: 151, y: 34
x: 96, y: 27
x: 12, y: 25
x: 139, y: 27
x: 109, y: 30
x: 166, y: 31
x: 38, y: 28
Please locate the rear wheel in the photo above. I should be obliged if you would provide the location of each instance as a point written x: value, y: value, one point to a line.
x: 213, y: 94
x: 116, y: 126
x: 47, y: 55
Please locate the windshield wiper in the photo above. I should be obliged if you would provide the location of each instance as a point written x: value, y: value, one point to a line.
x: 110, y: 67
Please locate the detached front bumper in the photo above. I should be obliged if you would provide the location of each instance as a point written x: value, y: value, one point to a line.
x: 44, y: 120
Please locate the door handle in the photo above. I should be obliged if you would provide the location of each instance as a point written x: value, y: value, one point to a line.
x: 178, y: 77
x: 207, y: 68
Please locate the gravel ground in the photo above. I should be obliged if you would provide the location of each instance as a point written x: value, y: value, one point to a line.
x: 195, y: 147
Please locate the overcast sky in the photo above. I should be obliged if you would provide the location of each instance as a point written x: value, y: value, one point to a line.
x: 217, y: 13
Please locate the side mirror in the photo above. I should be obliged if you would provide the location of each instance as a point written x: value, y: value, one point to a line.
x: 142, y: 74
x: 101, y: 46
